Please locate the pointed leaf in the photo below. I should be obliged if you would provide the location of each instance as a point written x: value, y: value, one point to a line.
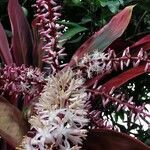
x: 105, y: 36
x: 4, y: 47
x: 142, y: 43
x: 12, y: 125
x: 123, y: 78
x: 112, y: 140
x: 22, y: 39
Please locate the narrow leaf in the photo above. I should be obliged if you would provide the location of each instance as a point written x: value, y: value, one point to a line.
x: 12, y: 125
x: 22, y: 39
x: 142, y: 43
x: 105, y: 36
x: 4, y: 47
x: 112, y: 140
x: 37, y: 48
x: 123, y: 78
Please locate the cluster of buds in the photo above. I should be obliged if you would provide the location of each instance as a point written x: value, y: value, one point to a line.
x: 115, y: 62
x: 92, y: 64
x: 60, y: 116
x: 46, y: 16
x: 21, y: 80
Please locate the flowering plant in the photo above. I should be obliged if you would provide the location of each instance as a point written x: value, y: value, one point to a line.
x: 67, y: 103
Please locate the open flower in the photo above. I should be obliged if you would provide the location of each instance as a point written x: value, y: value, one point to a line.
x: 60, y: 113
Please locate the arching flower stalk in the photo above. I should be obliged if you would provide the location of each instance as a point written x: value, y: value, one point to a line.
x: 61, y: 114
x: 47, y: 13
x: 97, y: 64
x: 100, y: 63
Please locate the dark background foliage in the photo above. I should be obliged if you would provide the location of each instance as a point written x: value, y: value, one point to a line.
x: 83, y: 18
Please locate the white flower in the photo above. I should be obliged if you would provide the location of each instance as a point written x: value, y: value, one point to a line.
x: 92, y: 63
x: 97, y: 55
x: 60, y: 113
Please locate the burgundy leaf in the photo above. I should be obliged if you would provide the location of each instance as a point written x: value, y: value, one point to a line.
x: 22, y: 39
x: 105, y: 36
x: 123, y: 78
x: 4, y: 47
x: 142, y: 43
x: 12, y: 125
x: 112, y: 140
x: 93, y: 80
x: 37, y: 47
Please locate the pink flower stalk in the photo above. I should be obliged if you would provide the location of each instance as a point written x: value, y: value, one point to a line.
x: 100, y: 63
x: 47, y: 13
x: 14, y: 81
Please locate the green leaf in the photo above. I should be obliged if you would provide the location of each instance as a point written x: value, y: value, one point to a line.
x: 76, y: 39
x: 113, y: 5
x: 25, y: 11
x: 72, y: 32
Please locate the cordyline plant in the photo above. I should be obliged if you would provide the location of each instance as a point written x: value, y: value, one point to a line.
x: 48, y: 105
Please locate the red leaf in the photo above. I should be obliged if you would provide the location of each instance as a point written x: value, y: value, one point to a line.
x: 99, y: 77
x: 12, y: 125
x: 105, y: 36
x: 112, y: 140
x: 37, y: 46
x: 123, y: 78
x: 22, y: 39
x: 142, y: 43
x: 4, y: 48
x: 134, y: 49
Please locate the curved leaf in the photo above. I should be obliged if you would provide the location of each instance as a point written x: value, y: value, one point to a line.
x: 105, y: 36
x: 112, y: 140
x: 72, y: 31
x: 22, y: 39
x: 12, y: 125
x: 142, y: 43
x: 4, y: 47
x: 123, y: 78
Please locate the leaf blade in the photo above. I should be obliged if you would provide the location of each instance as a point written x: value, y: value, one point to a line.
x: 105, y: 36
x: 12, y: 125
x: 108, y: 139
x: 4, y: 47
x: 123, y: 78
x: 22, y: 38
